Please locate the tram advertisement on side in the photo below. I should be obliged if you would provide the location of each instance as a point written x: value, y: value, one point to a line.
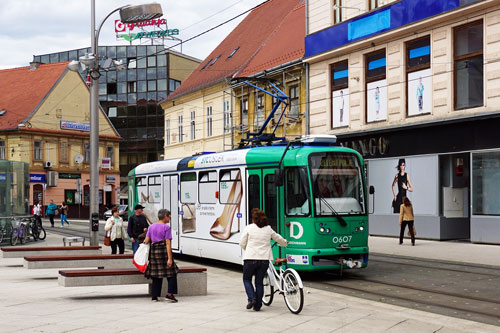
x: 318, y: 205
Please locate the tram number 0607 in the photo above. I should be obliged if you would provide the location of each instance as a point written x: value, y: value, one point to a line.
x: 341, y: 239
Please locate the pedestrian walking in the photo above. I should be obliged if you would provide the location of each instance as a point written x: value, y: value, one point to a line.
x: 161, y: 261
x: 37, y: 212
x: 255, y: 240
x: 63, y: 210
x: 51, y: 211
x: 118, y: 234
x: 406, y: 218
x: 137, y: 225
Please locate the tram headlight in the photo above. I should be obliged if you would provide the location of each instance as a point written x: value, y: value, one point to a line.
x: 328, y: 230
x: 322, y: 229
x: 361, y: 228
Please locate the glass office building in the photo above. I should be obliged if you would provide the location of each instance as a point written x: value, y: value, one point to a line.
x: 131, y: 97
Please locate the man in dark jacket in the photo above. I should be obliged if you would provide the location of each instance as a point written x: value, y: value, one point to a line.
x: 137, y: 225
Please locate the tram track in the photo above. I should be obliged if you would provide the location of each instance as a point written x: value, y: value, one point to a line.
x: 468, y: 293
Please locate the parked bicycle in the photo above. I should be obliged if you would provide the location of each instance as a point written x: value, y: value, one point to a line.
x: 20, y: 232
x: 285, y: 281
x: 37, y: 229
x: 5, y: 231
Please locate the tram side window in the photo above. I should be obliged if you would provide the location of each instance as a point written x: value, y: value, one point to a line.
x: 270, y: 199
x: 154, y: 190
x: 297, y: 192
x: 230, y: 188
x: 253, y: 193
x: 207, y: 187
x: 188, y: 187
x: 142, y: 189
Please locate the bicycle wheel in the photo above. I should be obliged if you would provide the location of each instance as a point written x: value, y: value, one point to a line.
x: 1, y: 235
x: 14, y: 237
x: 41, y: 233
x: 294, y: 295
x: 23, y: 235
x: 35, y: 231
x: 267, y: 299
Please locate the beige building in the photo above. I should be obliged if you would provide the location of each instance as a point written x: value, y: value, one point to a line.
x: 414, y: 83
x: 205, y: 113
x: 44, y: 121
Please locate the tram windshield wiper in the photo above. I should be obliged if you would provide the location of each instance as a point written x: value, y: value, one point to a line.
x: 334, y: 212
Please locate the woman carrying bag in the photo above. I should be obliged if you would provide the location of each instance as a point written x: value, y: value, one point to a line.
x: 117, y: 231
x: 161, y: 262
x: 406, y: 218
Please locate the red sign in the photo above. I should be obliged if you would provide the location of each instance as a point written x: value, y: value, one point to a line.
x: 121, y: 27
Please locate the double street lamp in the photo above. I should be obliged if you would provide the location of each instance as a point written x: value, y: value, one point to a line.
x: 90, y: 62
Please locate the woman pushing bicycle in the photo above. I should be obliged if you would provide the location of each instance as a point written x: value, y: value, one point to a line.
x: 255, y: 240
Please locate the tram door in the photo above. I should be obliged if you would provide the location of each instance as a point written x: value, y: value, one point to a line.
x: 262, y: 193
x: 171, y: 202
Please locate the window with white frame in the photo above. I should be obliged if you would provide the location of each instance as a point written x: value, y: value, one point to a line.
x: 294, y: 103
x: 227, y: 116
x: 244, y: 112
x: 193, y: 125
x: 337, y: 11
x: 86, y: 153
x: 209, y: 121
x: 167, y: 132
x: 37, y: 150
x: 260, y: 113
x: 180, y: 132
x: 109, y: 154
x: 3, y: 154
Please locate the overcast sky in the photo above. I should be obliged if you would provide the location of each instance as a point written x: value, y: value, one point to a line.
x: 29, y: 27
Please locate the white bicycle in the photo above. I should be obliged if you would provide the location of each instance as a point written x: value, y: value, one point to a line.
x: 285, y: 281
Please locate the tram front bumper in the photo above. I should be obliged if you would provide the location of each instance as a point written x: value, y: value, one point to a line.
x: 327, y: 259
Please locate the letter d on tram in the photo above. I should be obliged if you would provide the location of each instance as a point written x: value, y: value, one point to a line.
x: 292, y: 230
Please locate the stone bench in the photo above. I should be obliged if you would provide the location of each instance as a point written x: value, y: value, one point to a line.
x: 191, y: 281
x: 30, y: 251
x: 99, y: 260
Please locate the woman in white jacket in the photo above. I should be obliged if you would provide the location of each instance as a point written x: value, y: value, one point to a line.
x: 256, y: 241
x: 118, y: 231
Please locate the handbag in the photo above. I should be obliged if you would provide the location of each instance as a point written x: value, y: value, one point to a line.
x: 56, y: 212
x: 142, y: 237
x: 107, y: 238
x: 414, y: 232
x: 141, y: 257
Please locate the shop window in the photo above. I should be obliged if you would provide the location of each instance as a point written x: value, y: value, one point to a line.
x: 37, y: 150
x: 208, y: 187
x: 468, y: 65
x: 70, y: 196
x: 418, y: 76
x: 340, y: 94
x: 188, y: 187
x: 230, y: 190
x: 376, y: 86
x: 486, y: 183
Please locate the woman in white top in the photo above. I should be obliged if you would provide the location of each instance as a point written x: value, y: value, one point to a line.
x: 256, y: 241
x: 118, y: 231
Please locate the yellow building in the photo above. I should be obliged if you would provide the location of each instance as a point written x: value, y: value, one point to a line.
x: 205, y: 115
x: 44, y: 121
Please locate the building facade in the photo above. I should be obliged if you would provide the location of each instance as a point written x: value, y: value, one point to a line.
x: 414, y: 82
x: 213, y: 109
x: 131, y: 97
x: 44, y: 122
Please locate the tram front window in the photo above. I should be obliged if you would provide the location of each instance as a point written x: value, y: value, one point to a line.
x: 337, y: 184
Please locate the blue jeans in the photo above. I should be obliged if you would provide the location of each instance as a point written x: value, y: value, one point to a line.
x: 135, y: 245
x: 64, y: 218
x: 259, y: 269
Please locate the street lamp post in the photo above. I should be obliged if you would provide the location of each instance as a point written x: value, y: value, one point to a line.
x: 128, y: 14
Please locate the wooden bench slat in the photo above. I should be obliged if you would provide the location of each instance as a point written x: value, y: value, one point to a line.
x: 82, y: 257
x: 49, y: 248
x: 121, y: 271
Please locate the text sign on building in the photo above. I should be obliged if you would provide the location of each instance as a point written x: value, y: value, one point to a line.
x: 37, y: 178
x: 106, y: 163
x: 70, y: 176
x: 125, y: 30
x: 3, y: 177
x: 72, y: 125
x: 110, y: 179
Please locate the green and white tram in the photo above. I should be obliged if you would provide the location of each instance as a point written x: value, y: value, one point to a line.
x: 314, y: 195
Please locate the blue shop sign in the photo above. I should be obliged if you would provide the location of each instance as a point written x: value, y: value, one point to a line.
x: 37, y: 178
x: 71, y: 125
x: 3, y: 177
x: 388, y: 18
